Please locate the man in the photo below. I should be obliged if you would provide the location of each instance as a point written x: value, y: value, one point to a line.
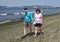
x: 27, y: 18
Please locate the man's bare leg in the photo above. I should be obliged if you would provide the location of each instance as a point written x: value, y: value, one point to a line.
x: 25, y: 28
x: 30, y: 27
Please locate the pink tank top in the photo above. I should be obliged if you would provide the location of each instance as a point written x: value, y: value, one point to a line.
x: 38, y: 18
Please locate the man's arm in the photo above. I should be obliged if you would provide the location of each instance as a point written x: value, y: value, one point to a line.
x: 31, y: 16
x: 22, y: 13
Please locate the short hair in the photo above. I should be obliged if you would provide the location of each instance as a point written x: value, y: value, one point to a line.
x: 38, y: 10
x: 25, y: 8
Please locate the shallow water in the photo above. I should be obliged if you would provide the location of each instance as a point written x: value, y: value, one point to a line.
x: 11, y: 14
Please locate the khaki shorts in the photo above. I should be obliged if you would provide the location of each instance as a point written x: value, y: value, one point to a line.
x: 27, y: 24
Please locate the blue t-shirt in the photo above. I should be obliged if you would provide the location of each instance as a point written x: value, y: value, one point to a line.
x: 27, y: 17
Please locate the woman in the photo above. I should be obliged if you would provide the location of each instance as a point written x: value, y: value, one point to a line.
x: 38, y: 19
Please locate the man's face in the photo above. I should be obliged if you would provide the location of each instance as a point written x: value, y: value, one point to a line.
x: 26, y: 10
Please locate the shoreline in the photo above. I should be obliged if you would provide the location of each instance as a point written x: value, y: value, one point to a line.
x: 2, y: 22
x: 20, y: 20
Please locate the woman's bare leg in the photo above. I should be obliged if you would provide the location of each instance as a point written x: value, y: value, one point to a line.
x: 35, y: 31
x: 40, y: 29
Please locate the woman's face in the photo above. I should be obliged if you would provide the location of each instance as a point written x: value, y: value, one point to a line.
x: 37, y: 12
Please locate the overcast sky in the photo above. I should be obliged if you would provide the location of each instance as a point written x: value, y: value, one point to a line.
x: 18, y: 3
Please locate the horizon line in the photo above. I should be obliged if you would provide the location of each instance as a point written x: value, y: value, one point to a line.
x: 30, y: 5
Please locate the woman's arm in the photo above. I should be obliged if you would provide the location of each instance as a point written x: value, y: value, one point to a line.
x: 41, y: 18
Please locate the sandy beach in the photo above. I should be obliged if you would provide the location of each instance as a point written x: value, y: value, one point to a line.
x: 13, y: 31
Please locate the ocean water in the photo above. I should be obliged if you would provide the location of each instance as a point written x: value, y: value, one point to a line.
x: 11, y: 14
